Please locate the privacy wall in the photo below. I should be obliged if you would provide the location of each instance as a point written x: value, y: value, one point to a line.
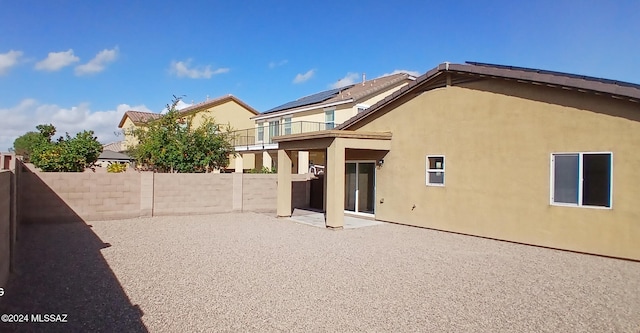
x: 47, y: 197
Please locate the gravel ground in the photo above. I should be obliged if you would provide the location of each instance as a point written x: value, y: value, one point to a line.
x: 251, y: 272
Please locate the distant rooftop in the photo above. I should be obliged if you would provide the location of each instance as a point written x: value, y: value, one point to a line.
x: 351, y: 92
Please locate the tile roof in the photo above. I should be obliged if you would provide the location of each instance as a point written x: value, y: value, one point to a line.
x: 112, y: 155
x: 113, y: 146
x: 355, y: 93
x: 618, y: 89
x: 216, y: 101
x: 139, y: 117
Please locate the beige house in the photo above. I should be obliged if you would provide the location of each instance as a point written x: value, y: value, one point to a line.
x: 226, y: 110
x: 321, y: 111
x: 528, y: 156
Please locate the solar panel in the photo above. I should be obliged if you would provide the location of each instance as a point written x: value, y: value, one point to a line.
x: 308, y: 100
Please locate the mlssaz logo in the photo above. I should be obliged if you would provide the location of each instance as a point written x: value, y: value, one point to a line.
x: 1, y: 292
x: 48, y: 318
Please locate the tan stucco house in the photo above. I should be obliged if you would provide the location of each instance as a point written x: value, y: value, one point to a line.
x: 321, y: 111
x: 225, y: 110
x: 523, y: 155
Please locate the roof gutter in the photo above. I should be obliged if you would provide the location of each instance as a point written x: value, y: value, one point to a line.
x: 273, y: 115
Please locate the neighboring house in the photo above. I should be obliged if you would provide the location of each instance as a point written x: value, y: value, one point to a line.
x: 320, y: 111
x: 225, y: 110
x: 522, y: 155
x: 111, y: 157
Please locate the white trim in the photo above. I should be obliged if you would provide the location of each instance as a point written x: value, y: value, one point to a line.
x: 274, y: 115
x: 429, y: 170
x: 580, y: 179
x: 268, y: 146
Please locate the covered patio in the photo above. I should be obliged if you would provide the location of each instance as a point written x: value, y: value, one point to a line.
x: 341, y: 147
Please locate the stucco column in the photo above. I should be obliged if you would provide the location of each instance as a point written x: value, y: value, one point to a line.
x: 266, y: 160
x: 303, y: 162
x: 284, y: 183
x: 238, y: 162
x: 334, y: 194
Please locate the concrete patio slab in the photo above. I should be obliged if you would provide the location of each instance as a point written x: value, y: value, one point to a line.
x: 317, y: 219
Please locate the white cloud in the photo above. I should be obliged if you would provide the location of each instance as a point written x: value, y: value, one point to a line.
x: 348, y: 79
x: 57, y: 60
x: 24, y: 117
x: 8, y: 60
x: 182, y: 69
x: 397, y: 71
x: 304, y: 77
x: 275, y: 64
x: 98, y: 63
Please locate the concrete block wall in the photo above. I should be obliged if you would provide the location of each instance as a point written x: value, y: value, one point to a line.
x: 59, y: 197
x: 5, y: 225
x: 69, y: 197
x: 259, y: 192
x: 191, y: 194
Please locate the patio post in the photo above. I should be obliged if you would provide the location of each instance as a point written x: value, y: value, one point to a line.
x: 284, y: 183
x: 334, y: 173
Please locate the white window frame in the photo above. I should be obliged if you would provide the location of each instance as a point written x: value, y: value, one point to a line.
x: 331, y: 111
x: 429, y: 170
x: 260, y: 132
x: 361, y: 108
x: 580, y: 180
x: 287, y: 125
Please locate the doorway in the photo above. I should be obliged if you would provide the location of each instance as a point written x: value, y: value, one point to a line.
x: 360, y: 187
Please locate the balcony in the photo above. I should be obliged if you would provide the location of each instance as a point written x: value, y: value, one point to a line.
x: 262, y: 138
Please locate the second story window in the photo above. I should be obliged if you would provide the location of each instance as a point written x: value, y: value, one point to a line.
x: 260, y: 132
x: 287, y: 126
x: 329, y: 119
x: 274, y: 129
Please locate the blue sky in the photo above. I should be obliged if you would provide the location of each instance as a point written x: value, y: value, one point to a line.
x: 81, y: 64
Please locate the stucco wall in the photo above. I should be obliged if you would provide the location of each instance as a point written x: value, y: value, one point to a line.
x: 5, y: 225
x: 186, y: 194
x: 497, y: 138
x: 229, y: 112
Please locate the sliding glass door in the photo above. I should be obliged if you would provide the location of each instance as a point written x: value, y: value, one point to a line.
x: 359, y: 187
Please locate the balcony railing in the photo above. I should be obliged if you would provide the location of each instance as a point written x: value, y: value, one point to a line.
x: 257, y: 136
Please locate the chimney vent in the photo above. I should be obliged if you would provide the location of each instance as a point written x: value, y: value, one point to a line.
x: 364, y: 78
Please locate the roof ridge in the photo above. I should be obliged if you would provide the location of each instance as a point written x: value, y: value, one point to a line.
x: 550, y: 72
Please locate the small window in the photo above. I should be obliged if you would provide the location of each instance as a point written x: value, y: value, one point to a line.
x: 287, y: 126
x: 581, y: 179
x: 329, y: 119
x: 260, y: 132
x: 362, y: 107
x: 435, y: 170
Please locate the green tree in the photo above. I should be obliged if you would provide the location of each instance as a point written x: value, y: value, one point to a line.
x: 67, y: 154
x: 25, y: 144
x: 173, y: 143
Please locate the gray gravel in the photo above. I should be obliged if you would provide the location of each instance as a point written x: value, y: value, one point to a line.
x: 252, y: 272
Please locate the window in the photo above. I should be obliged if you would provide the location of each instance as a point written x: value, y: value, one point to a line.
x: 361, y: 107
x: 274, y: 129
x: 260, y: 132
x: 581, y: 179
x: 329, y: 119
x: 435, y: 170
x: 287, y: 126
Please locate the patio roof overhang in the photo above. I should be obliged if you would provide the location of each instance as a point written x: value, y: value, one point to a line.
x: 324, y: 139
x: 336, y: 143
